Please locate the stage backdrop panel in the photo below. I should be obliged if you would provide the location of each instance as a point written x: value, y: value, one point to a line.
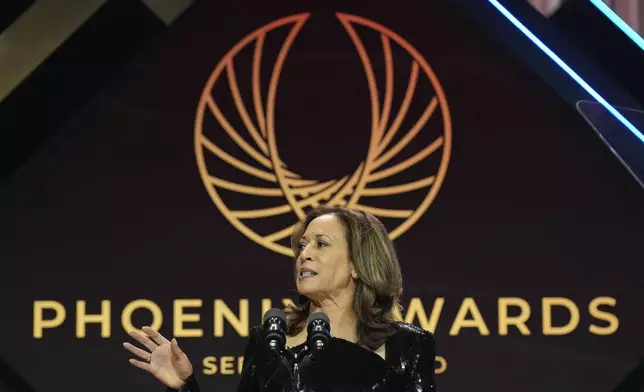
x: 170, y: 200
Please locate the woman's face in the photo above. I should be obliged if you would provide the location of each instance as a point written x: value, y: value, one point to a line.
x: 323, y: 269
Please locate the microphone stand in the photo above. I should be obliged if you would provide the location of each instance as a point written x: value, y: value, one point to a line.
x: 296, y: 363
x: 292, y: 362
x: 318, y: 330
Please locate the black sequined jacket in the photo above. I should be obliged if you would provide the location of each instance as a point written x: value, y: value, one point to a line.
x: 343, y: 366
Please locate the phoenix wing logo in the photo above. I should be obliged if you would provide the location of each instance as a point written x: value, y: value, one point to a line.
x: 256, y: 156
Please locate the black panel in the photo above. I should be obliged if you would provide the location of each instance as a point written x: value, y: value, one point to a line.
x: 12, y: 381
x: 10, y: 10
x: 634, y: 382
x: 71, y: 76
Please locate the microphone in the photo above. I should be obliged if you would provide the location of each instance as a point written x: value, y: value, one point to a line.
x: 318, y: 335
x: 275, y: 329
x: 274, y: 325
x: 319, y: 331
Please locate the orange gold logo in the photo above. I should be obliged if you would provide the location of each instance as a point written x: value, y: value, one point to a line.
x: 285, y: 193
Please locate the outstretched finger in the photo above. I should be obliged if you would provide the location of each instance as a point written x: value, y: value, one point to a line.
x: 156, y: 336
x: 143, y: 339
x: 176, y: 351
x: 141, y: 365
x: 137, y: 351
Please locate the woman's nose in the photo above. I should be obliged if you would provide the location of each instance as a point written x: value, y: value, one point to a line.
x: 306, y: 253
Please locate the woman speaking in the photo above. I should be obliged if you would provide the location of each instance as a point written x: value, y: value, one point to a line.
x: 345, y: 268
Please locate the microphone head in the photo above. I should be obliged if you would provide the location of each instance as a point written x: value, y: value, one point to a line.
x: 276, y: 313
x: 319, y: 317
x: 275, y: 329
x: 319, y: 331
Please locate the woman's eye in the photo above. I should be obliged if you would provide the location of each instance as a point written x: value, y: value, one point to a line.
x: 321, y: 244
x: 301, y: 245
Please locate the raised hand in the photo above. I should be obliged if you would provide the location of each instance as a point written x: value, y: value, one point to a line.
x: 165, y: 360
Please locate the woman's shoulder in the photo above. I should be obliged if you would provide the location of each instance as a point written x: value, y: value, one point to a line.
x: 411, y: 334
